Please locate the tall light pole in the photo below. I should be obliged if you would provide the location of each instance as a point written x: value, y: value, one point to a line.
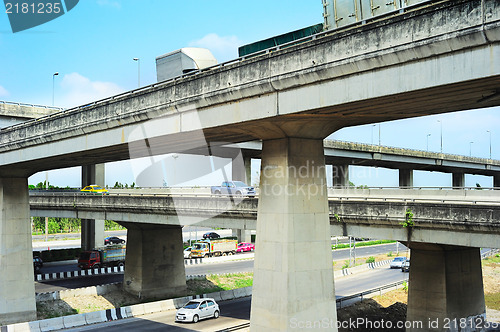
x: 53, y: 86
x: 138, y: 72
x: 441, y: 124
x: 428, y: 141
x: 489, y: 132
x: 470, y: 149
x: 379, y: 134
x: 372, y: 132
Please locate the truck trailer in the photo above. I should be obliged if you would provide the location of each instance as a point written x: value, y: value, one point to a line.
x: 214, y: 248
x: 112, y: 255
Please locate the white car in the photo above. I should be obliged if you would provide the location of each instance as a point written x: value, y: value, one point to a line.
x: 397, y: 263
x: 187, y: 252
x: 197, y: 309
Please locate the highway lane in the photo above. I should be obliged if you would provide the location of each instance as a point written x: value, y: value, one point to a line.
x: 341, y: 254
x: 236, y: 312
x: 214, y: 268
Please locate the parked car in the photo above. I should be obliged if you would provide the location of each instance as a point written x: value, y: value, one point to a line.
x: 187, y: 252
x: 243, y: 246
x: 113, y: 240
x: 397, y: 262
x: 197, y: 309
x: 211, y: 235
x: 406, y: 266
x: 95, y: 189
x: 37, y: 263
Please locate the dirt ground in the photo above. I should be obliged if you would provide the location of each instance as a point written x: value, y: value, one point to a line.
x: 389, y: 307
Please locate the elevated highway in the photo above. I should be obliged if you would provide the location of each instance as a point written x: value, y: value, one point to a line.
x: 442, y: 56
x: 454, y: 217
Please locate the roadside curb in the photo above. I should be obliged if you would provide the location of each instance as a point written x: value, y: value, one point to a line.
x: 82, y: 273
x: 360, y: 268
x: 108, y: 315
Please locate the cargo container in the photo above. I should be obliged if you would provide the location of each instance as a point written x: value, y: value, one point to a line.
x: 183, y: 61
x: 338, y: 13
x: 113, y: 255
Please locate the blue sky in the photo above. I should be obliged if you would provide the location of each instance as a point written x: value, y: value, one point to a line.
x: 93, y: 45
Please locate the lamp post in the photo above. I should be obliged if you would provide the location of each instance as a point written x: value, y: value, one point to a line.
x: 379, y: 134
x: 428, y: 141
x: 489, y: 132
x: 53, y: 86
x: 138, y: 72
x: 470, y: 149
x: 441, y: 125
x: 372, y: 132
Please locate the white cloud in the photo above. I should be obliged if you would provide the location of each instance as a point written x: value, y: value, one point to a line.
x: 223, y: 48
x: 3, y: 92
x: 109, y: 3
x: 79, y: 90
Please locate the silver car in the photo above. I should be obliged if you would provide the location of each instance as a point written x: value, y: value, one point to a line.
x: 197, y: 309
x: 397, y: 263
x: 187, y: 252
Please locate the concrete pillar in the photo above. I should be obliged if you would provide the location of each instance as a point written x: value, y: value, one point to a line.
x: 445, y: 283
x: 17, y: 289
x: 293, y: 271
x: 242, y: 235
x: 154, y: 267
x: 405, y: 178
x: 242, y: 169
x: 340, y: 175
x: 92, y: 234
x: 496, y: 181
x: 458, y: 180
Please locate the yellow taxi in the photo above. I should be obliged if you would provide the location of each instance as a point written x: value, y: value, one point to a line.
x: 93, y: 188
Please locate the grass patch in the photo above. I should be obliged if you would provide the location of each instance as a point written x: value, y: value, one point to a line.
x: 217, y: 283
x: 492, y: 300
x: 361, y: 244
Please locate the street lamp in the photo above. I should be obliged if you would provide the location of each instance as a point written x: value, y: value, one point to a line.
x: 470, y: 149
x: 372, y: 133
x: 138, y: 72
x: 428, y: 141
x: 379, y: 134
x: 490, y: 141
x: 441, y: 124
x: 53, y: 86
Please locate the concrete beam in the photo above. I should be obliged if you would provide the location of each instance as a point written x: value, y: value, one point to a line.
x: 405, y: 178
x: 154, y: 265
x: 292, y: 227
x: 242, y: 169
x: 458, y: 180
x: 340, y: 175
x: 92, y: 233
x: 445, y: 283
x: 17, y: 290
x: 243, y: 235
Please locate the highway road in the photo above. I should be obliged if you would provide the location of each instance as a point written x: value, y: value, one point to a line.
x: 227, y: 267
x: 237, y: 312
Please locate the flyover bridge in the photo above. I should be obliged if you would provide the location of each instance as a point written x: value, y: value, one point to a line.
x: 454, y: 217
x: 440, y: 57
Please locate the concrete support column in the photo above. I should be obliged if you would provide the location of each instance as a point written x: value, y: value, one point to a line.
x: 290, y: 287
x: 445, y: 283
x: 242, y: 169
x: 496, y: 181
x: 92, y: 234
x: 340, y: 175
x: 154, y: 265
x: 405, y: 178
x: 242, y: 235
x: 17, y: 289
x: 458, y: 180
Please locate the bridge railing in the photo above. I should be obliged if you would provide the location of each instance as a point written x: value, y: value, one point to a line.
x: 193, y: 73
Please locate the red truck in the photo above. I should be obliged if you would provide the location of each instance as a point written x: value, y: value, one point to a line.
x: 113, y: 255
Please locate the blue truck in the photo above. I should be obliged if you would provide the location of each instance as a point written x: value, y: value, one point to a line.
x: 233, y: 188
